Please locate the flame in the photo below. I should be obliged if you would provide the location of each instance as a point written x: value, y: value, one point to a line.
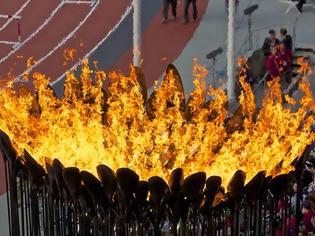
x: 89, y: 126
x: 81, y: 44
x: 68, y: 55
x: 30, y: 62
x: 304, y: 64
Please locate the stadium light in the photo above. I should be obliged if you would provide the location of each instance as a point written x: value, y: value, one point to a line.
x: 212, y: 56
x: 248, y: 12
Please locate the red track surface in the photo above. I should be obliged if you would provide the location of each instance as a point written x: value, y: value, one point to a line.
x: 10, y: 7
x: 89, y: 34
x: 49, y: 37
x: 30, y: 21
x: 94, y: 29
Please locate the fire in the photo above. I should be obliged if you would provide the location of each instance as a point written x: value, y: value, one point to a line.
x: 68, y: 55
x: 120, y: 127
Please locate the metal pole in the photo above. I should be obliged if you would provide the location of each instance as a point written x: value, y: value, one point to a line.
x: 250, y: 42
x: 213, y: 70
x: 294, y: 33
x: 137, y: 32
x: 231, y: 52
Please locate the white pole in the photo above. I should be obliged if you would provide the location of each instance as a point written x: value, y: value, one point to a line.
x: 137, y: 32
x: 231, y: 52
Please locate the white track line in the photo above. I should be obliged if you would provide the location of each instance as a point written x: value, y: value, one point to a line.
x: 128, y: 10
x: 62, y: 42
x: 16, y: 14
x: 8, y: 42
x: 15, y: 17
x: 79, y: 2
x: 34, y: 33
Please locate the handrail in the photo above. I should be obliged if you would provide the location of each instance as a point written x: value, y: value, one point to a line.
x: 261, y: 81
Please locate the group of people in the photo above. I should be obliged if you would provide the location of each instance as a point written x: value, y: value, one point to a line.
x: 173, y: 4
x: 278, y: 54
x: 288, y: 216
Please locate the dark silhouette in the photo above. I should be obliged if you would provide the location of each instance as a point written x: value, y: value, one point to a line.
x: 166, y: 4
x: 270, y: 42
x: 195, y: 11
x: 286, y: 39
x: 300, y: 4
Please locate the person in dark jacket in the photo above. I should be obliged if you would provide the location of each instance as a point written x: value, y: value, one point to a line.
x: 270, y: 42
x: 195, y: 11
x: 166, y: 4
x: 285, y: 38
x: 300, y: 4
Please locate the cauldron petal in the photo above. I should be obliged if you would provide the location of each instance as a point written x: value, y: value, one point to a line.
x: 279, y: 184
x: 58, y: 172
x: 94, y: 188
x: 6, y: 147
x: 158, y: 190
x: 108, y: 179
x: 254, y: 187
x: 72, y: 178
x: 34, y: 170
x: 213, y: 184
x: 142, y: 193
x: 193, y: 186
x: 176, y: 180
x: 236, y: 185
x: 128, y: 182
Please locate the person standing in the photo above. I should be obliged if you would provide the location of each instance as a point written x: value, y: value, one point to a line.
x: 270, y: 42
x: 285, y: 38
x: 272, y: 64
x: 300, y: 4
x: 308, y: 217
x: 285, y: 62
x: 166, y: 4
x: 186, y: 12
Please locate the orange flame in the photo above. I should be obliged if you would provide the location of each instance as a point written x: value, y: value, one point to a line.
x: 68, y: 55
x: 89, y: 126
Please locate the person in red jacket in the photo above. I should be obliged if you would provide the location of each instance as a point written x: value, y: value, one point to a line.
x: 285, y: 62
x: 308, y: 217
x: 272, y: 64
x: 285, y: 223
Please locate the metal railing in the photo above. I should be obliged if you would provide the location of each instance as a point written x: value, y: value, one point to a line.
x: 67, y: 201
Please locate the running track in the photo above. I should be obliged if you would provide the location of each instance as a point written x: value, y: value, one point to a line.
x: 162, y: 44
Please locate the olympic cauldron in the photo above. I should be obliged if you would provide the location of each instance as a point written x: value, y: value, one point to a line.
x: 46, y: 197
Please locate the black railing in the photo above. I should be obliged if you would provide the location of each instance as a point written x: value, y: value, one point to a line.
x: 67, y: 201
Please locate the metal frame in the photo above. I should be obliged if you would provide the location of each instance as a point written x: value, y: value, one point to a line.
x: 57, y: 203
